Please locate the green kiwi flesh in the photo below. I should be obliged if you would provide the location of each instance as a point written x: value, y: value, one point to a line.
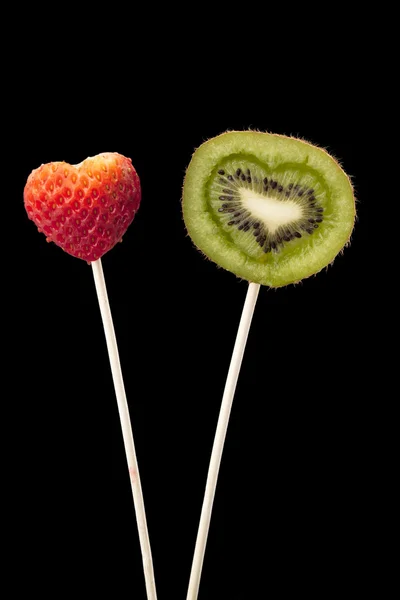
x: 269, y: 208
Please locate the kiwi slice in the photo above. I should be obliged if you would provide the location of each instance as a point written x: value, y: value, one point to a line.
x: 271, y: 209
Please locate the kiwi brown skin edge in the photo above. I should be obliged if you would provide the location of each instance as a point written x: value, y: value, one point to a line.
x: 299, y: 258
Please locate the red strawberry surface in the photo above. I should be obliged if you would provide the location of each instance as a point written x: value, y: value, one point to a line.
x: 85, y: 209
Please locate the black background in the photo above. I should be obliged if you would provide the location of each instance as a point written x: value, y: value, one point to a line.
x: 291, y: 502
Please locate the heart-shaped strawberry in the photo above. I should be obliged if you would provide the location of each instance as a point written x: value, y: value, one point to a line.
x: 85, y: 209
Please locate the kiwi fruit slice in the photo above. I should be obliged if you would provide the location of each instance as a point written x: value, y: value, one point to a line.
x: 271, y: 209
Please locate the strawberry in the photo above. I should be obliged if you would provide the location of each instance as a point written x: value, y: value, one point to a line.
x: 85, y: 209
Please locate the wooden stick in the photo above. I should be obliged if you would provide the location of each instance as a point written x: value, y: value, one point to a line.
x: 219, y: 440
x: 126, y: 429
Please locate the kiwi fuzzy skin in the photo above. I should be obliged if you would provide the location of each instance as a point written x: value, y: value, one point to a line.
x: 272, y: 150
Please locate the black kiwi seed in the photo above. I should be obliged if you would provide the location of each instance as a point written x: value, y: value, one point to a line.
x: 311, y: 221
x: 221, y: 172
x: 320, y: 210
x: 256, y: 225
x: 310, y: 192
x: 290, y: 186
x: 273, y: 245
x: 265, y: 181
x: 248, y: 171
x: 287, y: 194
x: 256, y: 232
x: 274, y: 184
x: 297, y: 234
x: 249, y: 179
x: 300, y: 193
x: 280, y: 188
x: 230, y: 177
x: 267, y: 249
x: 238, y: 171
x: 231, y: 222
x: 319, y: 220
x: 246, y: 227
x: 243, y: 177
